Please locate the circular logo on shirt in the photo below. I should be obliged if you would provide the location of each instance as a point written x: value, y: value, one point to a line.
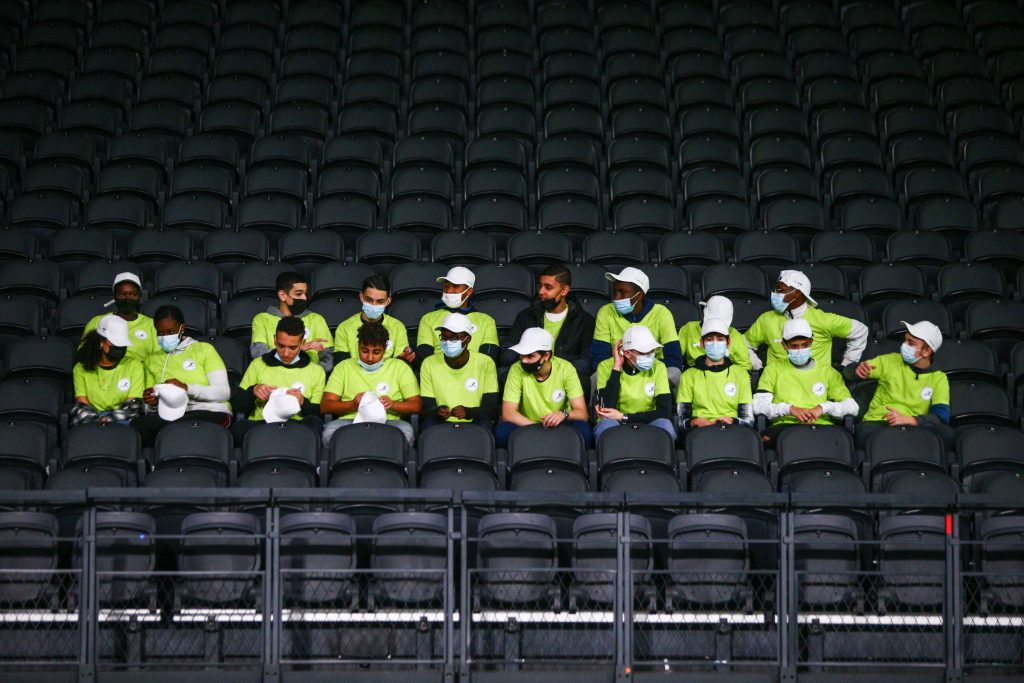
x: 730, y: 389
x: 388, y: 345
x: 472, y: 384
x: 818, y: 389
x: 306, y: 334
x: 926, y: 393
x: 140, y: 334
x: 557, y: 395
x: 300, y: 386
x: 124, y: 384
x: 189, y: 365
x: 649, y: 388
x: 383, y: 388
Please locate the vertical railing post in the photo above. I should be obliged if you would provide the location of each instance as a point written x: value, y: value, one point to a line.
x: 786, y: 582
x: 88, y: 591
x: 449, y: 667
x: 953, y: 617
x: 271, y: 597
x: 623, y: 605
x: 465, y: 601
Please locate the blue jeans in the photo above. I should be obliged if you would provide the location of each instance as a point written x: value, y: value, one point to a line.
x: 504, y: 430
x: 661, y: 423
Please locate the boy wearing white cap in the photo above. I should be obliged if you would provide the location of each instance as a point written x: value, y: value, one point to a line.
x: 691, y: 338
x: 458, y: 385
x: 802, y: 390
x: 108, y: 384
x: 715, y: 390
x: 910, y: 391
x: 632, y: 385
x: 127, y: 300
x: 541, y: 388
x: 456, y: 290
x: 791, y: 300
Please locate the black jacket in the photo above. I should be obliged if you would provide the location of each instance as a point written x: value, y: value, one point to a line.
x: 574, y: 337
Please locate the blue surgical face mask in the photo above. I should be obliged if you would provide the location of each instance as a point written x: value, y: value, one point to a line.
x: 451, y: 349
x: 799, y: 357
x: 168, y: 342
x: 370, y: 367
x: 279, y: 360
x: 372, y: 312
x: 779, y: 302
x: 716, y: 350
x: 644, y: 362
x: 624, y: 306
x: 909, y: 353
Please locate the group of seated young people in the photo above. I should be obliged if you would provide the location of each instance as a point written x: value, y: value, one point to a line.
x: 630, y: 365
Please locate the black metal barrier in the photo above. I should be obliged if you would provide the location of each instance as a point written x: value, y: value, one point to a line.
x: 137, y: 585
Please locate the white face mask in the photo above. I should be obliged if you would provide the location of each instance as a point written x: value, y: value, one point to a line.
x: 453, y: 299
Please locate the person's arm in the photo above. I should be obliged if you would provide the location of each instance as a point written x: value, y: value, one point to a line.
x: 510, y: 413
x: 684, y: 413
x: 332, y: 404
x: 755, y: 362
x: 428, y: 407
x: 672, y: 354
x: 856, y: 342
x: 407, y: 406
x: 764, y: 404
x: 216, y: 391
x: 585, y: 335
x: 609, y: 393
x: 662, y: 409
x: 326, y: 360
x: 488, y: 408
x: 839, y: 409
x: 578, y: 409
x: 745, y: 414
x: 260, y: 342
x: 601, y: 346
x: 490, y: 350
x: 938, y: 414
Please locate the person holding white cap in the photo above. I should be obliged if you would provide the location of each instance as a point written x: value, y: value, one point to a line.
x: 192, y: 367
x: 791, y: 300
x: 632, y: 385
x: 456, y: 289
x: 127, y: 300
x: 911, y: 392
x: 541, y: 389
x: 375, y: 298
x: 801, y: 391
x: 458, y: 385
x: 629, y: 306
x: 108, y: 384
x: 715, y: 391
x: 691, y: 337
x: 293, y: 297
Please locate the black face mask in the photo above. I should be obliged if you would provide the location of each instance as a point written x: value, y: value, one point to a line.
x: 549, y: 304
x: 127, y: 305
x: 116, y: 354
x: 298, y: 306
x: 532, y: 368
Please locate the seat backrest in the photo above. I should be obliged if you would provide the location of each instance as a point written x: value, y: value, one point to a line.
x: 454, y: 442
x: 979, y: 403
x: 220, y: 541
x: 714, y: 447
x: 124, y: 542
x: 595, y: 541
x: 815, y: 446
x: 904, y: 448
x: 186, y: 442
x: 517, y: 541
x: 368, y: 442
x: 707, y: 543
x: 313, y: 541
x: 537, y: 445
x: 634, y: 444
x: 111, y: 444
x: 281, y: 442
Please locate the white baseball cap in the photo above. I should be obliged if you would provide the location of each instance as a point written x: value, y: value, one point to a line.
x: 457, y: 323
x: 714, y: 326
x: 127, y: 277
x: 281, y: 406
x: 114, y: 330
x: 797, y: 280
x: 927, y: 332
x: 797, y: 327
x: 172, y: 401
x: 639, y: 338
x: 631, y: 275
x: 459, y: 276
x: 718, y: 307
x: 534, y: 339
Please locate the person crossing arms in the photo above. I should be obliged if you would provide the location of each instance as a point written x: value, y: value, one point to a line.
x: 293, y: 300
x: 458, y: 385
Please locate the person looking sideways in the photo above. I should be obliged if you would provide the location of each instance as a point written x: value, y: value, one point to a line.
x: 287, y: 367
x: 108, y: 384
x: 791, y: 300
x: 293, y: 300
x: 127, y: 301
x: 458, y: 385
x: 375, y: 298
x: 910, y: 391
x: 541, y: 389
x: 632, y: 385
x: 692, y: 342
x: 192, y: 366
x: 456, y: 292
x: 557, y: 312
x: 715, y: 390
x: 390, y: 380
x: 801, y: 391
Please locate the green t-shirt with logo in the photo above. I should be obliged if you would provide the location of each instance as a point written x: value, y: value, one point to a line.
x: 553, y: 327
x: 191, y: 364
x: 463, y: 386
x: 141, y: 332
x: 537, y: 399
x: 636, y: 392
x: 264, y: 328
x: 803, y: 388
x: 486, y: 330
x: 108, y: 388
x: 767, y: 330
x: 610, y: 326
x: 715, y: 394
x: 693, y: 347
x: 394, y: 378
x: 308, y: 378
x: 908, y: 392
x: 345, y: 336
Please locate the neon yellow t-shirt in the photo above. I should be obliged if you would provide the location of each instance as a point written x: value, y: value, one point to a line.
x: 464, y: 386
x: 308, y: 379
x: 189, y: 365
x: 803, y: 388
x: 108, y: 388
x: 715, y: 394
x: 345, y: 336
x: 264, y: 328
x: 141, y: 331
x: 553, y: 327
x: 636, y: 392
x: 537, y: 399
x: 610, y: 326
x: 908, y: 392
x: 767, y: 330
x: 693, y: 348
x: 394, y: 379
x: 486, y: 330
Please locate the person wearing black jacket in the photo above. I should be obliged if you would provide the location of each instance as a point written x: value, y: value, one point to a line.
x: 555, y: 311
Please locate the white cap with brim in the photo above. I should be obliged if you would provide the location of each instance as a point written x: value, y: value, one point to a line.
x: 459, y: 276
x: 124, y: 277
x: 639, y: 338
x: 927, y: 332
x: 172, y: 401
x: 457, y: 323
x: 534, y: 339
x: 797, y: 327
x: 114, y: 330
x: 714, y: 326
x: 718, y: 307
x: 281, y: 406
x: 797, y: 280
x: 633, y: 276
